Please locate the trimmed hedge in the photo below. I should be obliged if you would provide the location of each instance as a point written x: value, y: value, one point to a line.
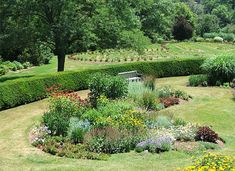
x: 26, y: 90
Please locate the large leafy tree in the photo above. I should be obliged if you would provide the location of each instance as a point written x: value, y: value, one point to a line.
x: 157, y: 18
x: 58, y: 23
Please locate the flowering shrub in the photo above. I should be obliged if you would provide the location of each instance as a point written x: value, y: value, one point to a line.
x: 213, y: 162
x: 158, y: 144
x: 39, y: 135
x: 63, y: 106
x: 186, y: 133
x: 206, y: 134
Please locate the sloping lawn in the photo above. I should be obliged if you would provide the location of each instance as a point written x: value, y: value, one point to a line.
x: 210, y: 106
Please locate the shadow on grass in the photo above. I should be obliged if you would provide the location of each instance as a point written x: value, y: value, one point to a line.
x: 3, y: 79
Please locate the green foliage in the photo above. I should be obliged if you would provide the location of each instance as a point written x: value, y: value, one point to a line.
x: 198, y: 80
x: 109, y: 86
x: 61, y: 110
x: 134, y: 40
x: 157, y: 18
x: 218, y: 39
x: 182, y: 29
x: 150, y: 82
x: 220, y: 68
x: 60, y: 147
x: 207, y: 24
x: 3, y: 69
x: 77, y: 129
x: 163, y: 122
x: 213, y: 161
x: 149, y: 100
x: 26, y: 90
x: 165, y: 91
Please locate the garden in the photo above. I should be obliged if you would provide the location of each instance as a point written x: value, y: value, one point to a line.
x: 117, y: 85
x: 120, y: 117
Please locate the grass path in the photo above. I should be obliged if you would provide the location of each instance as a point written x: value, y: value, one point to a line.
x: 213, y: 106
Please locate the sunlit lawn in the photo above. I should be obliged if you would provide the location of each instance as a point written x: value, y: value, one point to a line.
x: 209, y: 106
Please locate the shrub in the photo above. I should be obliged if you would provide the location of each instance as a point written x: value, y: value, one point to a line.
x: 199, y: 39
x: 198, y: 80
x: 12, y: 66
x: 26, y: 65
x: 218, y: 39
x: 163, y: 122
x: 212, y: 162
x: 26, y: 90
x: 229, y: 37
x: 3, y: 70
x: 179, y: 122
x: 182, y: 95
x: 206, y: 134
x: 149, y: 82
x: 169, y: 101
x: 149, y: 100
x: 61, y: 110
x: 210, y: 35
x: 112, y: 140
x: 19, y: 66
x: 182, y: 29
x: 58, y: 146
x: 165, y: 92
x: 77, y: 129
x: 136, y: 90
x: 185, y: 133
x: 156, y: 145
x: 220, y: 68
x: 111, y: 87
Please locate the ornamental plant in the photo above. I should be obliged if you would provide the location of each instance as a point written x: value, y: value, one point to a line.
x: 156, y: 145
x: 220, y: 69
x: 213, y: 162
x: 206, y: 134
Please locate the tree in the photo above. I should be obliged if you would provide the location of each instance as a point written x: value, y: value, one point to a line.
x: 222, y: 12
x: 58, y: 23
x: 206, y: 24
x: 182, y: 29
x: 157, y: 18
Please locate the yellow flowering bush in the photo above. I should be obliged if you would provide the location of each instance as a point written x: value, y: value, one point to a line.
x: 213, y: 162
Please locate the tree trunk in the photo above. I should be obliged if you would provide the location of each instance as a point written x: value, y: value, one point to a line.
x: 61, y: 62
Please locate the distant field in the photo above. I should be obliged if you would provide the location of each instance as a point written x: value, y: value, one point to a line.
x: 156, y: 51
x: 111, y: 57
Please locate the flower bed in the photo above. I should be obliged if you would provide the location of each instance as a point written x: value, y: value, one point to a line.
x: 111, y: 121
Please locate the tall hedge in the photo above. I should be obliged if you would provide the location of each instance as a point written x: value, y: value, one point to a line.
x: 26, y: 90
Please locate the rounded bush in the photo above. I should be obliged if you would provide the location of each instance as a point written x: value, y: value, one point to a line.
x: 220, y: 69
x: 3, y: 69
x: 218, y: 39
x: 182, y: 29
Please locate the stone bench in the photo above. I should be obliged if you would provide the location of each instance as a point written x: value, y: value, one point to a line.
x: 131, y: 76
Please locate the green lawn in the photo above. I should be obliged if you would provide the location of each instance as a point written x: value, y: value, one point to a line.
x: 169, y: 50
x: 209, y: 106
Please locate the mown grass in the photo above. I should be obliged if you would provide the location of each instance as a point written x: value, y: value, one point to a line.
x: 209, y: 106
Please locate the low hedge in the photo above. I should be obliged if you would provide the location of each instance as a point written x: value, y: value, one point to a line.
x: 26, y: 90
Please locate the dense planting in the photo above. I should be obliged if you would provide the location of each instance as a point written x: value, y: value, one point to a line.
x: 13, y: 66
x: 27, y: 90
x: 117, y: 122
x: 220, y: 71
